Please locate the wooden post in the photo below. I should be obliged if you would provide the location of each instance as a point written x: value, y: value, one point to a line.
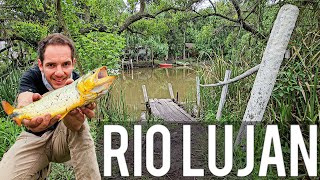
x: 198, y: 94
x: 177, y: 97
x: 223, y: 94
x: 131, y: 63
x: 146, y: 99
x: 145, y: 94
x: 171, y: 92
x: 184, y: 44
x: 269, y: 67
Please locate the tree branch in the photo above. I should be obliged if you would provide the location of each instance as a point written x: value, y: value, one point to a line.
x: 135, y: 32
x: 61, y: 23
x: 216, y: 14
x: 243, y: 23
x: 141, y: 14
x: 6, y: 48
x: 14, y: 37
x: 253, y: 9
x: 237, y: 8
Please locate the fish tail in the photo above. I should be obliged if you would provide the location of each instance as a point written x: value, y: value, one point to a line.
x: 8, y: 108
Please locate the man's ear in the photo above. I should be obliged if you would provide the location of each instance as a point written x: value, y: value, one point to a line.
x: 74, y: 61
x: 40, y: 65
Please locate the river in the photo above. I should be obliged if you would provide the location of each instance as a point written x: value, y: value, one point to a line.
x: 128, y: 86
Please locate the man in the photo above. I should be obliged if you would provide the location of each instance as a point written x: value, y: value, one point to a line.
x: 47, y: 139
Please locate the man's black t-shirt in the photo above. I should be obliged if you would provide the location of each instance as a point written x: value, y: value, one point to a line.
x: 31, y: 81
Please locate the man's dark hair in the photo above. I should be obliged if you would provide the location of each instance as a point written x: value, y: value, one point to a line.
x: 55, y: 39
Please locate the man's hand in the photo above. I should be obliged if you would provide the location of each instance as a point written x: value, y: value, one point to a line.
x: 40, y: 123
x: 27, y: 98
x: 75, y: 118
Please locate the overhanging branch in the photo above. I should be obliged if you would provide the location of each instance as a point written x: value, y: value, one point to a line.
x: 18, y: 38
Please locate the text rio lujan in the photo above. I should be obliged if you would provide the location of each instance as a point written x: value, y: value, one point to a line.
x: 271, y: 140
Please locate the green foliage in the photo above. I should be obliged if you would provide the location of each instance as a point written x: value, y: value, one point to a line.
x: 8, y: 134
x: 61, y: 172
x: 297, y: 91
x: 29, y: 30
x: 97, y: 49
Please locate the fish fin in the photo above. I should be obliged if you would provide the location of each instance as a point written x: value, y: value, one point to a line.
x: 7, y: 107
x: 18, y: 121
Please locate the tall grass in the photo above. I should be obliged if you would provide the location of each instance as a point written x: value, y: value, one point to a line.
x: 8, y: 133
x: 9, y: 87
x: 8, y: 92
x: 294, y: 100
x: 238, y: 92
x: 296, y: 94
x: 112, y: 108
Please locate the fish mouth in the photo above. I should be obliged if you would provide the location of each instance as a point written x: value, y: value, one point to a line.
x: 102, y: 72
x: 101, y: 77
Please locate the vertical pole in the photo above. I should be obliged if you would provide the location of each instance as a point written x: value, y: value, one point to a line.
x: 223, y: 94
x: 171, y: 91
x: 198, y: 94
x: 131, y: 63
x: 269, y: 67
x: 184, y: 44
x: 146, y: 100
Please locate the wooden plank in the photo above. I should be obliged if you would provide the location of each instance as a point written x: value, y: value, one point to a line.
x: 165, y: 112
x: 171, y: 111
x: 188, y: 116
x: 180, y: 117
x: 154, y: 110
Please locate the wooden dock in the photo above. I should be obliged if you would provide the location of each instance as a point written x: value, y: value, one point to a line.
x: 166, y: 109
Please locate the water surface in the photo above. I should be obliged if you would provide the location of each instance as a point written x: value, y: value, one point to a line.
x: 128, y: 86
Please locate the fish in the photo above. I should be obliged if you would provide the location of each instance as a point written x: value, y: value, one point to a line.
x: 82, y: 91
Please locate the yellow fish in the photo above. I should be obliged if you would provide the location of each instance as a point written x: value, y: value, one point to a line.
x: 61, y: 101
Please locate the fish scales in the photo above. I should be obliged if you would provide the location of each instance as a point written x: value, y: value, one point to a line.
x: 57, y: 102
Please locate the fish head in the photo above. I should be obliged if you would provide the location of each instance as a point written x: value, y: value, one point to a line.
x: 95, y: 83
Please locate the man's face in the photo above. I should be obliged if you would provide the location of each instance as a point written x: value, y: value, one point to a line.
x: 57, y: 65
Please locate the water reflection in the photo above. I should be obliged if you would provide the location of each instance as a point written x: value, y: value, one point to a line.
x: 156, y: 80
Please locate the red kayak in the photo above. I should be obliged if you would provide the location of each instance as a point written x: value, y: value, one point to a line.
x: 165, y: 65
